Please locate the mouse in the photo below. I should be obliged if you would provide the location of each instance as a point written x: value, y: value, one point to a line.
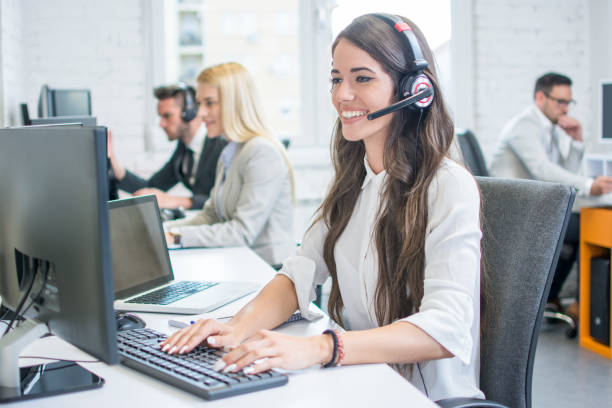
x: 169, y: 214
x: 129, y: 321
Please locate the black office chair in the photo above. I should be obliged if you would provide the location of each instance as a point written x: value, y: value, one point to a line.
x: 472, y: 155
x: 524, y: 223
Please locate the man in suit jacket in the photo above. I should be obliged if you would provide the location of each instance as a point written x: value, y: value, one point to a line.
x: 194, y: 160
x: 543, y: 143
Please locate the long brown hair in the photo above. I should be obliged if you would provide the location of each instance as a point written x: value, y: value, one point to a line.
x: 402, y: 217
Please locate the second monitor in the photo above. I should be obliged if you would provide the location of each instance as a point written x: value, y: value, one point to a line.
x: 64, y: 102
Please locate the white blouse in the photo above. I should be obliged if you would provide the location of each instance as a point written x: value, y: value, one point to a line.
x: 450, y: 309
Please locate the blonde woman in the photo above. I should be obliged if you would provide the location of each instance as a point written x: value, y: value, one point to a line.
x: 251, y: 203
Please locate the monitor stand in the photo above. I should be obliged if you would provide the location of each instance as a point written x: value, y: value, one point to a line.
x: 39, y: 380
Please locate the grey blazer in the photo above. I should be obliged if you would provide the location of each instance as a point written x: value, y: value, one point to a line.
x: 524, y: 151
x: 255, y: 200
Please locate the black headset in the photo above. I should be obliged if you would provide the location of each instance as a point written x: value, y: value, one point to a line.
x: 415, y: 89
x: 190, y: 107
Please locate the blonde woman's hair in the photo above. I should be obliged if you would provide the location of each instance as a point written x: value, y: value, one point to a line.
x: 240, y: 115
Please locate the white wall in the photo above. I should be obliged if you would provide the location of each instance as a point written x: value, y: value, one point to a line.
x: 103, y: 45
x: 601, y: 64
x: 109, y: 46
x: 12, y: 56
x: 515, y: 41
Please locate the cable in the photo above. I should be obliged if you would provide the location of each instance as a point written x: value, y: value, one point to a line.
x: 42, y: 287
x: 423, y: 380
x: 22, y: 301
x: 61, y: 359
x: 416, y: 144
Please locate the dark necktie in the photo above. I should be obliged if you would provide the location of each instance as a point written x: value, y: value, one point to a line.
x: 187, y: 166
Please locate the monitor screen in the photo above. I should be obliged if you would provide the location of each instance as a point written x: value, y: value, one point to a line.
x: 136, y: 236
x: 71, y: 102
x: 55, y: 253
x: 82, y: 120
x: 606, y: 110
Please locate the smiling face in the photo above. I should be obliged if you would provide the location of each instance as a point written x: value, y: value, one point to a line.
x: 360, y: 86
x: 209, y: 109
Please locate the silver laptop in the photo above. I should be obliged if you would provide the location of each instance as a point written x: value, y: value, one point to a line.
x: 144, y: 281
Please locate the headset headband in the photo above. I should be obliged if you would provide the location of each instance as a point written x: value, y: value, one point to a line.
x: 401, y: 26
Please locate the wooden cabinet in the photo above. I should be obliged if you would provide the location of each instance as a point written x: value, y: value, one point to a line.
x: 595, y: 240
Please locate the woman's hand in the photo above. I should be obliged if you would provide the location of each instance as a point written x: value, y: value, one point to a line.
x: 217, y: 334
x: 268, y: 349
x: 169, y: 238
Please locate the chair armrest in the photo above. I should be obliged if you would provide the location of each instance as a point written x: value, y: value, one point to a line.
x: 468, y: 403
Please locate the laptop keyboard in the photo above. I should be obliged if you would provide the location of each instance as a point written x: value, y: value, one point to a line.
x: 172, y: 293
x: 139, y: 349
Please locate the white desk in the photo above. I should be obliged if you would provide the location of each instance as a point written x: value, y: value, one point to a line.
x: 355, y: 386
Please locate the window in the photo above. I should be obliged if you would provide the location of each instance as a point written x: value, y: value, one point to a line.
x: 262, y: 37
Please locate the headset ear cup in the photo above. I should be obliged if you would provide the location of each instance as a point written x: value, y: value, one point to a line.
x: 404, y: 86
x: 188, y: 114
x: 417, y: 84
x: 190, y: 108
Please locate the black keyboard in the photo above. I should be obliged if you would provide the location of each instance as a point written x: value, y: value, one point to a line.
x: 192, y: 372
x: 172, y: 293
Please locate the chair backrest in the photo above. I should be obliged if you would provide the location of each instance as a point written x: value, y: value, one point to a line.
x: 472, y: 155
x: 524, y: 223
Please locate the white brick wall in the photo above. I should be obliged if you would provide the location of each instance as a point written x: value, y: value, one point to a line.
x: 91, y: 44
x: 95, y: 44
x: 515, y: 41
x: 12, y: 61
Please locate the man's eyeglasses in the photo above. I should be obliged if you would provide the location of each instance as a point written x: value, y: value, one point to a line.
x: 562, y: 102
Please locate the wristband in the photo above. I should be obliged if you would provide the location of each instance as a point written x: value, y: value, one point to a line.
x: 338, y: 352
x: 176, y: 235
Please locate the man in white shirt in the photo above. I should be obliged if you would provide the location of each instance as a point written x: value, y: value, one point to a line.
x: 194, y: 161
x: 543, y: 143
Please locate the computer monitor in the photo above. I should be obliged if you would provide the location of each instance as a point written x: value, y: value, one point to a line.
x: 25, y: 114
x: 113, y: 191
x: 606, y: 111
x: 81, y: 120
x: 55, y: 253
x: 64, y: 102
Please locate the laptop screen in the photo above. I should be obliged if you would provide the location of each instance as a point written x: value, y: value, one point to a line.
x: 140, y: 255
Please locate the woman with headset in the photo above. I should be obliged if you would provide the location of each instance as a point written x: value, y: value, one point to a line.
x: 398, y: 233
x: 251, y: 202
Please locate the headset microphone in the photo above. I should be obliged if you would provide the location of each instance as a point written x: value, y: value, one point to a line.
x: 404, y: 103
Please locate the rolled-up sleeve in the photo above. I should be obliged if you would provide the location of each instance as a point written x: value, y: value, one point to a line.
x: 307, y: 268
x: 449, y: 309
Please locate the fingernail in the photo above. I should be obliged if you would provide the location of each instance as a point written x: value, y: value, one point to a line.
x: 218, y: 366
x: 166, y: 347
x: 211, y: 341
x: 172, y: 350
x: 229, y: 368
x: 248, y: 370
x: 183, y: 350
x: 227, y: 349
